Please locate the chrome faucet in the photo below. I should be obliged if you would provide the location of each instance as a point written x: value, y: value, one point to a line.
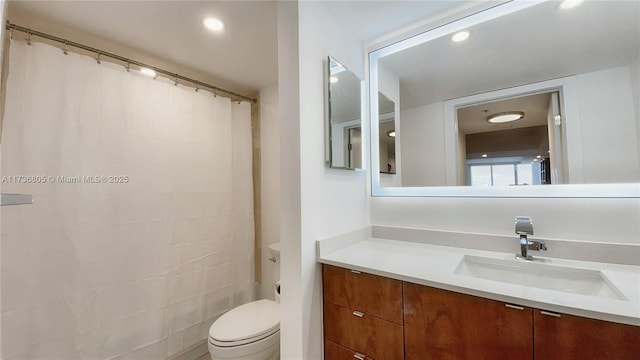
x: 524, y: 227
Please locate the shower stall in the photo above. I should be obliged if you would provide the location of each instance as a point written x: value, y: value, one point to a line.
x: 141, y: 230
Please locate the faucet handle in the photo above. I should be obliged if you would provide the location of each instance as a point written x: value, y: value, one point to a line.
x: 524, y: 225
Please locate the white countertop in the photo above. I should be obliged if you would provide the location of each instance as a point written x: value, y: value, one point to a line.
x: 435, y: 266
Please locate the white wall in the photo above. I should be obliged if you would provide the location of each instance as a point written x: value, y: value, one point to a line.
x: 389, y: 86
x: 291, y: 338
x: 635, y: 87
x: 316, y: 201
x: 598, y: 220
x: 608, y: 126
x: 423, y: 146
x: 270, y: 185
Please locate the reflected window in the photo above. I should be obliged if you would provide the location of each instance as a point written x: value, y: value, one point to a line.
x: 502, y: 174
x: 480, y: 175
x: 525, y: 174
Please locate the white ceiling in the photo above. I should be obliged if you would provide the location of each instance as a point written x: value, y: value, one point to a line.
x: 369, y: 20
x: 532, y: 45
x: 246, y: 53
x: 473, y: 119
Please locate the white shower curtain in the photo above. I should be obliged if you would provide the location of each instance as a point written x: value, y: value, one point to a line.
x: 141, y: 231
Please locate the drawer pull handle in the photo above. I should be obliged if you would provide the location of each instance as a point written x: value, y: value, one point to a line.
x: 511, y: 306
x: 358, y: 313
x: 358, y: 356
x: 356, y: 272
x: 549, y: 313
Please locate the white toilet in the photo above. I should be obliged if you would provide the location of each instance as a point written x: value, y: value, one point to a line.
x: 248, y: 332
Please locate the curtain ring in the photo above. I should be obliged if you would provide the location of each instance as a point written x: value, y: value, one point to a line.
x: 128, y: 66
x: 175, y: 81
x: 11, y: 34
x: 98, y: 59
x: 29, y: 37
x: 215, y: 92
x: 197, y: 88
x: 66, y: 48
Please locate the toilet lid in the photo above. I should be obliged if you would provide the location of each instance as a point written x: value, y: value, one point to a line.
x: 248, y: 321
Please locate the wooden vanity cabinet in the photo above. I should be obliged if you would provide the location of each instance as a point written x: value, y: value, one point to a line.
x: 362, y: 315
x: 361, y: 322
x: 561, y: 336
x: 440, y: 324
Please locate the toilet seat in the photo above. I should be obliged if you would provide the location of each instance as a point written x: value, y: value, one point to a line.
x: 246, y: 324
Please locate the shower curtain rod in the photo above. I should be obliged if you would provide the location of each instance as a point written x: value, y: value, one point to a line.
x: 67, y: 43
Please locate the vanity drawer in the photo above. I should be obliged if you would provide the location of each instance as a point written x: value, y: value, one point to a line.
x: 371, y: 294
x: 368, y: 335
x: 333, y: 351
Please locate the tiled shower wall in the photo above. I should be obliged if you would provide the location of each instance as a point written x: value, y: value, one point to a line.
x: 119, y: 270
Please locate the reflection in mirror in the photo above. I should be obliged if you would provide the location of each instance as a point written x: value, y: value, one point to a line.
x: 576, y: 94
x: 511, y: 149
x: 387, y: 135
x: 344, y: 120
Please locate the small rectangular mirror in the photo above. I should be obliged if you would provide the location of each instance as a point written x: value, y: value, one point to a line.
x: 344, y: 117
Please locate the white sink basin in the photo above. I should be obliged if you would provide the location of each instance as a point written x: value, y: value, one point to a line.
x: 540, y: 275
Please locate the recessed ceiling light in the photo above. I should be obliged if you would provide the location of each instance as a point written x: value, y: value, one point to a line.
x: 505, y: 117
x: 460, y: 36
x: 333, y: 79
x: 568, y: 4
x: 391, y: 133
x: 213, y: 24
x: 484, y: 155
x: 539, y: 156
x: 148, y: 72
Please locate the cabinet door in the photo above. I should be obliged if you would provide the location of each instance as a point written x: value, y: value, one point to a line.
x: 374, y: 295
x: 440, y: 324
x: 376, y: 338
x: 560, y: 336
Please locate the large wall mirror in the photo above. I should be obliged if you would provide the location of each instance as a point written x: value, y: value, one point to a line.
x: 526, y: 99
x: 344, y: 116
